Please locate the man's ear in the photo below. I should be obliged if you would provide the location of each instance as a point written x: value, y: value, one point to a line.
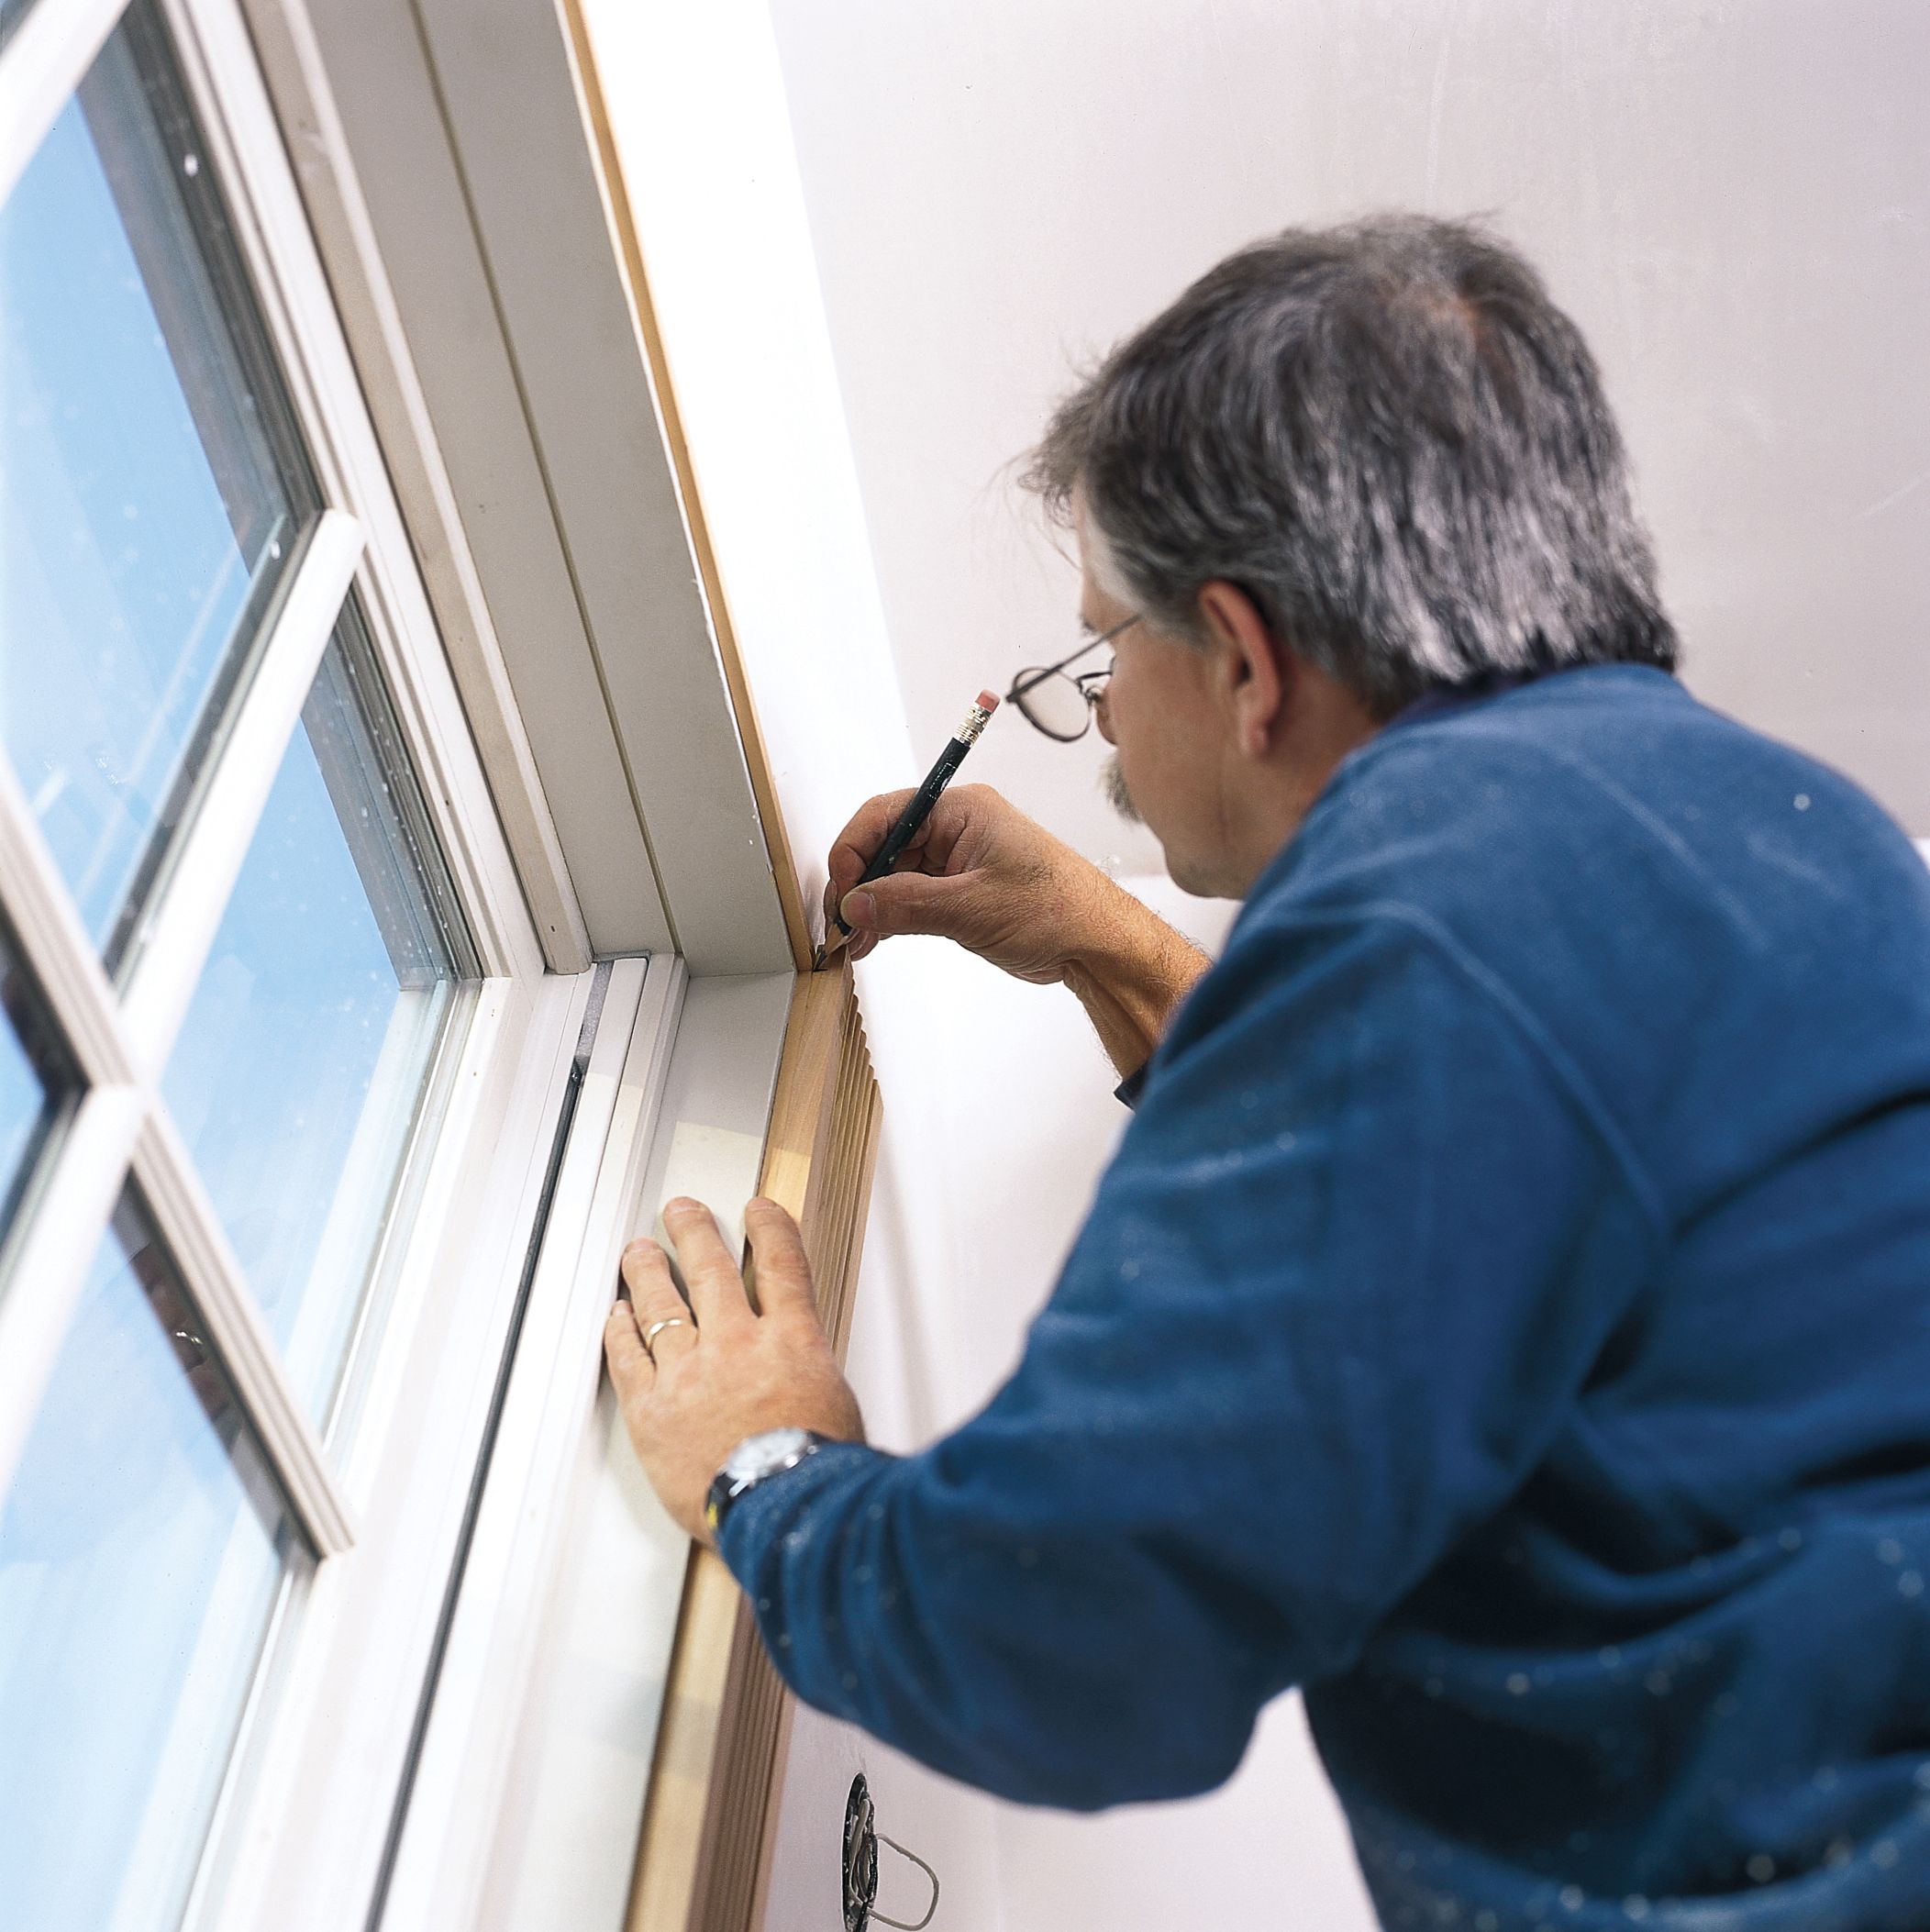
x: 1255, y: 679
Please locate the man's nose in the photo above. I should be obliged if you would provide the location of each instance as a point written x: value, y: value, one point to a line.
x: 1102, y: 718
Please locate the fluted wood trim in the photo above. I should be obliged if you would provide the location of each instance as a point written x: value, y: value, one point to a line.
x: 705, y: 1850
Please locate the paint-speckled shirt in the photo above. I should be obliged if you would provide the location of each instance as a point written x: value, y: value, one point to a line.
x: 1508, y: 1318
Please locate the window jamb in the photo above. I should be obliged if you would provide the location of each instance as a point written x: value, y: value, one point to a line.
x: 613, y: 1558
x: 509, y: 1576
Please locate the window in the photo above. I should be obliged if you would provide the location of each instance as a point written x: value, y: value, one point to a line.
x: 144, y: 1550
x: 298, y: 1071
x: 156, y: 492
x: 273, y: 1048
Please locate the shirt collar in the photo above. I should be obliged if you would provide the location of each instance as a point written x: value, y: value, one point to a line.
x: 1439, y: 698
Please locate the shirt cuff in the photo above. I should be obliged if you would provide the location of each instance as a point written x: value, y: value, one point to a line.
x: 1127, y: 1091
x: 772, y: 1508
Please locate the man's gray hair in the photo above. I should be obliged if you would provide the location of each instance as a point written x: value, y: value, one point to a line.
x: 1391, y: 439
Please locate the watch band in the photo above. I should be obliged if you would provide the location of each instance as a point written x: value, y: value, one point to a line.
x: 743, y: 1468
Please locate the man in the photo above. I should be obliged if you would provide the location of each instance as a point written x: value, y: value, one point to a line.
x: 1508, y: 1313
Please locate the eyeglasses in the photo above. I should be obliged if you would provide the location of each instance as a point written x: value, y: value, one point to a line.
x: 1056, y: 704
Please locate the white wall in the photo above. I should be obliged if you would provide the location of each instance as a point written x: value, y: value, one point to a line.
x: 1731, y: 197
x: 1730, y: 194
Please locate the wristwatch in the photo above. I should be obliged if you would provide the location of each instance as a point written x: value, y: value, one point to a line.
x: 756, y: 1459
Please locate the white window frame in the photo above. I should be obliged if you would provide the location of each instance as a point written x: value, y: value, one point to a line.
x: 311, y: 1793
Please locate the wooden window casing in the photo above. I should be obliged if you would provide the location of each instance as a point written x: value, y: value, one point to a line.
x: 703, y: 1851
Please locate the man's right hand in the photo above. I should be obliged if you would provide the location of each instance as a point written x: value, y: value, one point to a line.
x: 984, y: 875
x: 979, y: 872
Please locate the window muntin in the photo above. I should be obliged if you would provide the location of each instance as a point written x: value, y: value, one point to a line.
x: 37, y: 1081
x: 153, y: 487
x: 144, y: 1546
x: 298, y: 1071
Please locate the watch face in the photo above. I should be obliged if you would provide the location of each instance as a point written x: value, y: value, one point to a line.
x: 762, y: 1454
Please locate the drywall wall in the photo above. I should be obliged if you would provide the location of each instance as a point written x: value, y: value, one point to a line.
x: 1731, y: 197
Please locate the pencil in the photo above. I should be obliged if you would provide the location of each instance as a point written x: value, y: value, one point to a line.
x: 905, y: 825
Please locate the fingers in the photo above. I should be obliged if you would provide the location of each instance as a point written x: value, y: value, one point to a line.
x: 912, y: 902
x: 851, y: 851
x: 655, y: 1302
x: 953, y: 841
x: 783, y: 1274
x: 710, y: 1269
x: 631, y: 1370
x: 647, y: 1275
x: 929, y: 849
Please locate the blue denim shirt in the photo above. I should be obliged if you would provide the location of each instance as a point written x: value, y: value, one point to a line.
x: 1507, y: 1316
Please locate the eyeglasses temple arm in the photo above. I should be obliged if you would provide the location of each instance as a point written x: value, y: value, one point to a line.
x: 1038, y: 677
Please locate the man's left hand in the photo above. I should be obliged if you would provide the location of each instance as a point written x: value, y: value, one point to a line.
x: 726, y: 1372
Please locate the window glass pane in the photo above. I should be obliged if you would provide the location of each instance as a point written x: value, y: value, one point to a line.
x: 299, y: 1070
x: 152, y: 488
x: 143, y: 1550
x: 37, y: 1080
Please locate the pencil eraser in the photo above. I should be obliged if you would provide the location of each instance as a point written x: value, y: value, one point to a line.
x: 987, y: 702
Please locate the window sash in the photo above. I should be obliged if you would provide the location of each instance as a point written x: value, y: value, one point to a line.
x: 313, y: 1798
x: 126, y: 1044
x: 412, y: 1408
